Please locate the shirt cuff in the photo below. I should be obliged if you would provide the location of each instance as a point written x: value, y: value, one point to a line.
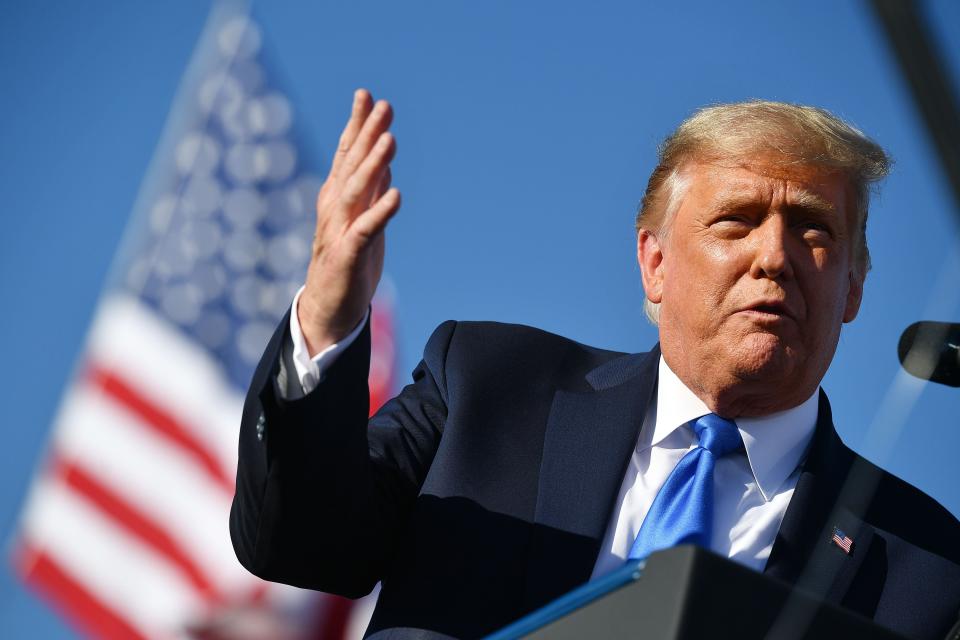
x: 310, y: 371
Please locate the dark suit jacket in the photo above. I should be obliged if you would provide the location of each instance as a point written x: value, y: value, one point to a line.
x: 484, y: 489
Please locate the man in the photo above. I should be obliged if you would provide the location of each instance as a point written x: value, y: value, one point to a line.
x: 519, y: 464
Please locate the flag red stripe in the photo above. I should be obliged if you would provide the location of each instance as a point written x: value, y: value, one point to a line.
x: 83, y: 608
x: 134, y: 521
x: 844, y: 543
x: 334, y: 618
x: 160, y: 421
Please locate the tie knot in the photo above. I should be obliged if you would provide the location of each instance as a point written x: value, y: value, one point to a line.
x: 717, y: 435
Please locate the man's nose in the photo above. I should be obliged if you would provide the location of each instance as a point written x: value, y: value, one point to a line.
x: 771, y: 256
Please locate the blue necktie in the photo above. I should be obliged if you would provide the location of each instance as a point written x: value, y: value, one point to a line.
x: 682, y: 512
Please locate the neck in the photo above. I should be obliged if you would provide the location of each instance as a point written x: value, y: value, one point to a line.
x: 731, y: 396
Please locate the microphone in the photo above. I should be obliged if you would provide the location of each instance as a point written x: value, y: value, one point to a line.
x: 931, y: 351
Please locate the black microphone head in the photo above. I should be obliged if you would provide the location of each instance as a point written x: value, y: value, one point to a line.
x: 931, y: 351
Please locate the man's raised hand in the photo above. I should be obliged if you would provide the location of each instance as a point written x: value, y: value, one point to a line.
x: 353, y: 208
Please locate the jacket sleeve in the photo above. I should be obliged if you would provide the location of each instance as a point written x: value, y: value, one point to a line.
x: 322, y: 496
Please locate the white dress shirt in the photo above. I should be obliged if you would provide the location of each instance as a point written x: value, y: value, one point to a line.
x: 752, y: 487
x: 296, y: 357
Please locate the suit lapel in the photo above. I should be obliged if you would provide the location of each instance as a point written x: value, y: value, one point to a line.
x: 589, y: 439
x: 587, y: 445
x: 803, y: 553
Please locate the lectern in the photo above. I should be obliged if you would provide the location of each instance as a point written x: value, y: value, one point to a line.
x: 688, y: 592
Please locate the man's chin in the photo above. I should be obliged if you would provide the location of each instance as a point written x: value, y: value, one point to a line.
x: 763, y: 356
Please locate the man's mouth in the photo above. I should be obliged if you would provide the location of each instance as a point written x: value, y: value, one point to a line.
x: 768, y: 309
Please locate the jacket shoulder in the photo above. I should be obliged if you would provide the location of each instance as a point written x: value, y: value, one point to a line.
x: 502, y: 335
x: 497, y: 348
x: 911, y: 514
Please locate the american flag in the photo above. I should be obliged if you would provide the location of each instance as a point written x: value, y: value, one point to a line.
x: 842, y: 540
x: 126, y: 526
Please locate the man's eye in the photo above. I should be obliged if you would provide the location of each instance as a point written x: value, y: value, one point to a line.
x: 732, y: 227
x: 816, y: 231
x: 732, y: 220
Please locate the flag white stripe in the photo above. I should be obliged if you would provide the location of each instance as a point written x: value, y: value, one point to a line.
x: 162, y: 364
x: 151, y: 474
x: 114, y: 567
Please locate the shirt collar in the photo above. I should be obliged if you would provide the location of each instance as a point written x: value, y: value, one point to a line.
x: 775, y: 443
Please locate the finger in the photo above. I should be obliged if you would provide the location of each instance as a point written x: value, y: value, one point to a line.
x: 362, y: 106
x: 377, y: 122
x: 374, y: 220
x: 386, y: 177
x: 363, y: 182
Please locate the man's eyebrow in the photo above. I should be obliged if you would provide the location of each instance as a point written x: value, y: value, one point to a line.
x: 811, y: 202
x: 799, y: 201
x: 736, y: 202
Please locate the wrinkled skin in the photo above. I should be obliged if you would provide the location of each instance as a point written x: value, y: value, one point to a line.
x: 755, y: 277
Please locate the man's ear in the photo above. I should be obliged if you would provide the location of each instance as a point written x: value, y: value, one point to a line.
x: 650, y: 259
x: 854, y: 296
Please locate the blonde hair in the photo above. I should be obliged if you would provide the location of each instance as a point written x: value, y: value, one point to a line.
x: 795, y: 134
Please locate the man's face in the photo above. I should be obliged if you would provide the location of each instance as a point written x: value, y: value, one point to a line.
x: 754, y: 280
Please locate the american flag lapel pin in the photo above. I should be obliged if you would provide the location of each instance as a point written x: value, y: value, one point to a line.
x: 842, y: 540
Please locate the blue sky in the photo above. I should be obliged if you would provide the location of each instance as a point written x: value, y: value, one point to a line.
x: 526, y: 132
